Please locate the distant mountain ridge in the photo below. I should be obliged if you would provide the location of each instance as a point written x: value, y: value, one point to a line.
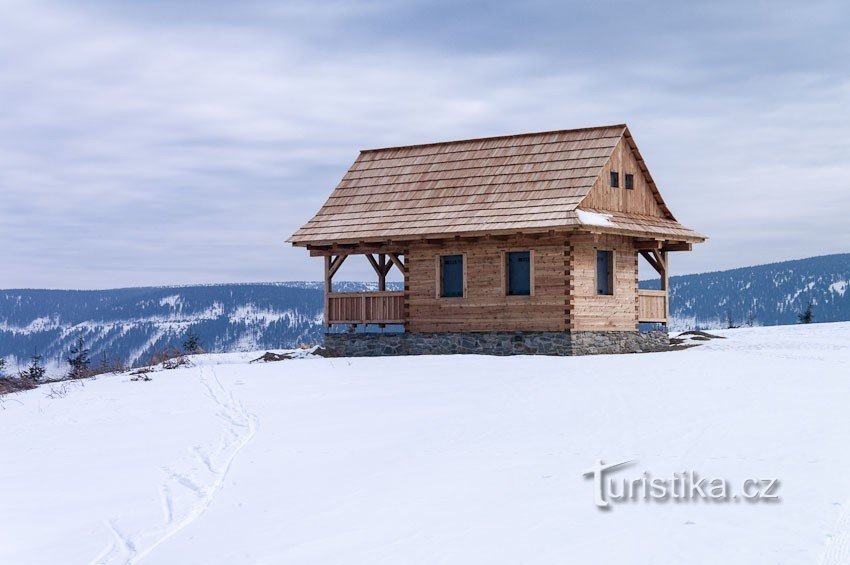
x: 130, y: 324
x: 768, y: 295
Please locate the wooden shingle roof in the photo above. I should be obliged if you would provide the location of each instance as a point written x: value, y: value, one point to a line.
x: 519, y: 183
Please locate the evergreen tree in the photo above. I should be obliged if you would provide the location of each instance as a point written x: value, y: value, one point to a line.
x: 2, y: 368
x: 79, y: 360
x: 35, y: 371
x: 806, y: 317
x: 192, y: 345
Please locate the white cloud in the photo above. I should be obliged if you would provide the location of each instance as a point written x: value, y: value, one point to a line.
x: 145, y: 150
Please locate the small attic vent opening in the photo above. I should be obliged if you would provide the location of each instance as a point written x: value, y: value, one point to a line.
x: 615, y: 179
x: 630, y: 182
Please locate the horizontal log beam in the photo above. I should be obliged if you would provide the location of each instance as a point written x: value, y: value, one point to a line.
x: 641, y: 244
x: 333, y: 251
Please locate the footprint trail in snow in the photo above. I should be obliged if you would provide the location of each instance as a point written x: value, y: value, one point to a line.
x: 187, y: 493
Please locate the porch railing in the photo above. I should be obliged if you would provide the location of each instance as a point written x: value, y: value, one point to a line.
x: 365, y: 307
x: 652, y: 306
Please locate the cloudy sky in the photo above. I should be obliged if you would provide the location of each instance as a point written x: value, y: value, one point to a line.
x: 178, y: 142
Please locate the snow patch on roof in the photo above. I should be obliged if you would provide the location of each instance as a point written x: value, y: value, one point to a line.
x: 593, y: 218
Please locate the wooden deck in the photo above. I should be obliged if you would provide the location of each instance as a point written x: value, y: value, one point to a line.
x: 652, y: 306
x: 365, y: 307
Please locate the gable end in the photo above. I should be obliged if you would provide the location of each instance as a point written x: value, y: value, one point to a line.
x: 644, y: 198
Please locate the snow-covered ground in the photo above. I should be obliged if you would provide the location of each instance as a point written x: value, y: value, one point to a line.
x: 444, y: 459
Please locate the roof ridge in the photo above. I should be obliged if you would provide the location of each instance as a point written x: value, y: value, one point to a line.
x: 492, y: 137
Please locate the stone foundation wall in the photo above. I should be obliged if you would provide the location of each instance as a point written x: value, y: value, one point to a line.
x: 493, y: 343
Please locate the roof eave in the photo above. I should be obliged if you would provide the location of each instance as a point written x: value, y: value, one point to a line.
x: 693, y: 237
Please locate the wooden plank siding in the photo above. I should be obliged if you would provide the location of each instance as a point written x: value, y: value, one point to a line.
x: 590, y: 311
x: 485, y: 306
x: 640, y: 200
x: 652, y: 306
x: 563, y: 295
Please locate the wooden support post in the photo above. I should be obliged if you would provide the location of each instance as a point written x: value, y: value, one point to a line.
x: 328, y: 276
x: 382, y: 272
x: 665, y: 284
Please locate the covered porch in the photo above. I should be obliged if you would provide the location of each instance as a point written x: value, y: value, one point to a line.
x: 381, y: 307
x: 654, y: 305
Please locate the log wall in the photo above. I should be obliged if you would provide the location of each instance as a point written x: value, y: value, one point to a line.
x: 592, y: 312
x: 563, y: 287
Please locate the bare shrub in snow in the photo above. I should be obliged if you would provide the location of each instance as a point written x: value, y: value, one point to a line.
x: 170, y: 356
x: 15, y: 384
x: 9, y: 384
x: 176, y: 363
x: 60, y: 389
x: 107, y: 365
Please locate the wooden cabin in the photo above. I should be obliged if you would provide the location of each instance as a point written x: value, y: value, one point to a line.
x: 513, y: 244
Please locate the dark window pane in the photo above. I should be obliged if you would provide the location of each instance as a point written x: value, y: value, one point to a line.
x: 519, y: 273
x: 630, y: 182
x: 604, y: 272
x: 452, y: 272
x: 615, y: 179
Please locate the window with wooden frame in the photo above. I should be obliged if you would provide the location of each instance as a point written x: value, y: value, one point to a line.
x: 615, y: 179
x: 604, y: 272
x: 451, y: 276
x: 630, y: 181
x: 518, y: 271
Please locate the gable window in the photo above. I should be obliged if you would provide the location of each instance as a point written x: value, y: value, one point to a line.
x: 519, y: 273
x: 630, y: 182
x: 451, y: 276
x: 615, y: 179
x: 604, y: 272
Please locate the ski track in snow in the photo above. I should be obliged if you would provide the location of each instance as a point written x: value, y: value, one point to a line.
x: 838, y: 547
x: 185, y: 496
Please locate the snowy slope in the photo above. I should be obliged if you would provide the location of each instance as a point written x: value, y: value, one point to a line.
x: 464, y: 459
